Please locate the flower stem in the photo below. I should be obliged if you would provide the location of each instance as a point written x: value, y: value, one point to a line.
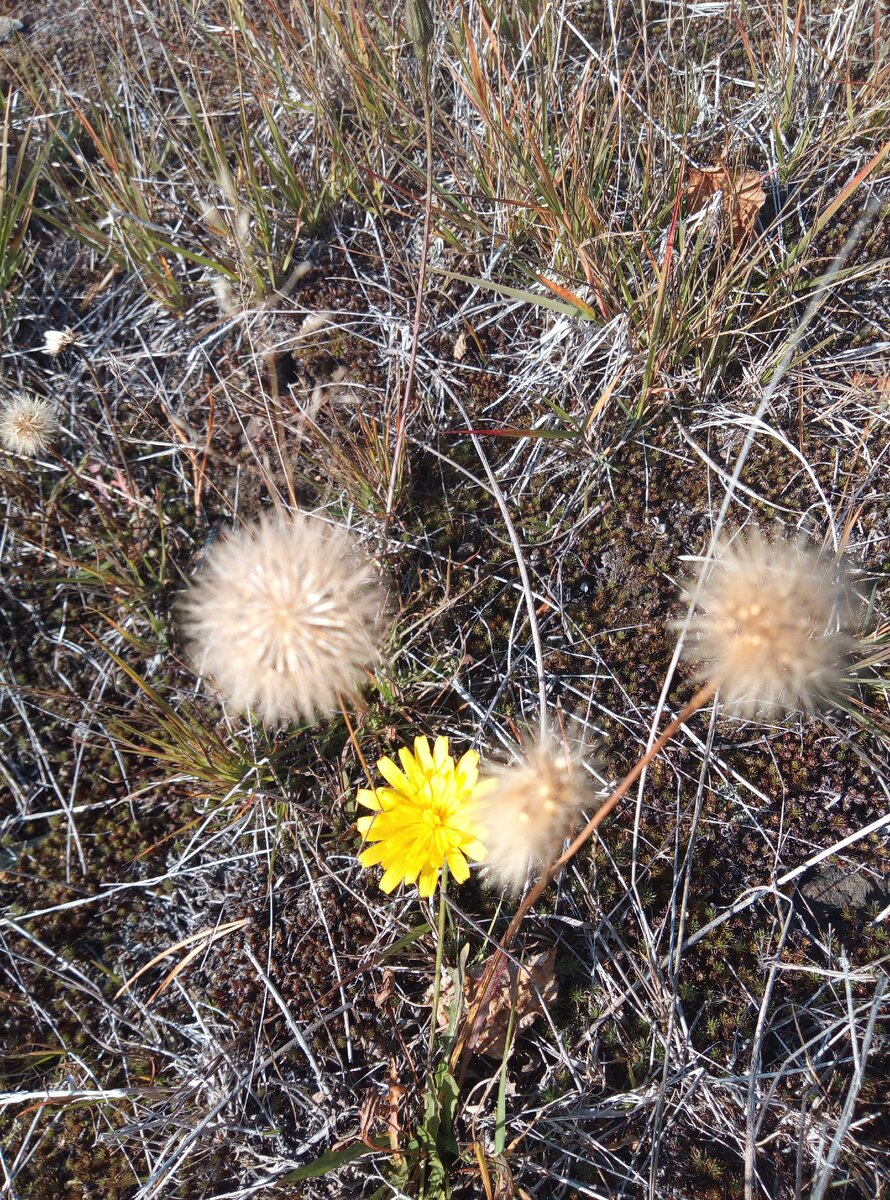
x: 440, y: 951
x: 402, y: 418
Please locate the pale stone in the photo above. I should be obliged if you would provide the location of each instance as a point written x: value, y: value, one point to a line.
x: 9, y: 26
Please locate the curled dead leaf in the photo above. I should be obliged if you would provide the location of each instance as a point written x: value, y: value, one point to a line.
x: 378, y: 1110
x: 743, y: 195
x: 877, y: 384
x: 387, y: 989
x: 526, y: 991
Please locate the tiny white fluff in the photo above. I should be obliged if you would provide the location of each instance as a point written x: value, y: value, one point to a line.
x: 57, y: 340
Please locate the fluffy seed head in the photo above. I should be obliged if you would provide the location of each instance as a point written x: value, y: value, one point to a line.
x: 284, y: 616
x: 526, y: 810
x: 27, y: 424
x: 57, y: 340
x: 769, y: 630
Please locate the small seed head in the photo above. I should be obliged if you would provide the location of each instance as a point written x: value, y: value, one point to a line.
x: 57, y: 340
x: 527, y: 809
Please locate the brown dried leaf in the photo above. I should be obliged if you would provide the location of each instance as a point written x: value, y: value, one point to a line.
x: 743, y: 195
x: 376, y: 1110
x: 879, y: 384
x: 446, y: 999
x: 394, y: 1098
x: 528, y: 995
x: 387, y: 989
x: 372, y: 1113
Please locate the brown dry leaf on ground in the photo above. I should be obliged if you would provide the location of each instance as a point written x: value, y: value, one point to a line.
x: 743, y: 195
x: 528, y: 997
x: 378, y: 1110
x: 879, y: 384
x: 387, y: 989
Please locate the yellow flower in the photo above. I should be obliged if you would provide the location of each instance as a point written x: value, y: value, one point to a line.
x: 424, y: 818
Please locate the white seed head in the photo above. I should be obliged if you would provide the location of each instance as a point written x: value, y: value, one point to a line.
x: 769, y: 631
x: 526, y: 810
x: 27, y: 424
x: 57, y: 340
x: 284, y: 616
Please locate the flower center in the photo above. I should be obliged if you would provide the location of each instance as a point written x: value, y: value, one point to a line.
x: 435, y: 819
x: 436, y: 808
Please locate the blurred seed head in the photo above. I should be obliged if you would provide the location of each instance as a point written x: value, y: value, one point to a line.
x: 213, y: 219
x: 57, y: 340
x: 284, y: 616
x: 28, y: 424
x: 770, y: 630
x: 225, y: 296
x: 527, y: 809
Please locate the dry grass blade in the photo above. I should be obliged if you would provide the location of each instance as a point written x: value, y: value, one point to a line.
x: 204, y: 937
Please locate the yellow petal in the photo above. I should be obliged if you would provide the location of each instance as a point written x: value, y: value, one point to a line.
x: 440, y: 751
x: 468, y: 770
x: 474, y: 850
x: 392, y: 877
x: 389, y: 798
x: 410, y: 873
x: 457, y: 865
x: 366, y: 797
x: 373, y: 855
x: 363, y: 824
x: 428, y: 879
x: 394, y: 776
x: 423, y: 756
x: 416, y: 777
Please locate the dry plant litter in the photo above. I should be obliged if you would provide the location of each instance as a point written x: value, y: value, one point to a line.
x: 559, y: 308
